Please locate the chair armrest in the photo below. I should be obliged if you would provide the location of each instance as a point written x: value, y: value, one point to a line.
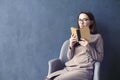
x: 54, y: 65
x: 96, y: 71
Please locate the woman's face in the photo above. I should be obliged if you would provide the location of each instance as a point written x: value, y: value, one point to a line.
x: 84, y: 21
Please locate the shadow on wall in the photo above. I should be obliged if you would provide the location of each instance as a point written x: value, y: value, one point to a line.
x: 110, y: 68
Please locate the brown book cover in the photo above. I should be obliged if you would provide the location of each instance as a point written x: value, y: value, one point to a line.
x: 81, y: 33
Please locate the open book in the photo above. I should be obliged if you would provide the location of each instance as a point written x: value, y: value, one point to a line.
x: 81, y: 33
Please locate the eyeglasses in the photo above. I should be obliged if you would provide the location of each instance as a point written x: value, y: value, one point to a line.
x: 83, y: 20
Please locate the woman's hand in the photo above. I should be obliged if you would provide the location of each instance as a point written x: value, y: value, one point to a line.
x: 83, y: 42
x: 73, y: 40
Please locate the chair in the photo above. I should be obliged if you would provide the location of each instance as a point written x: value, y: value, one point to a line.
x: 58, y: 63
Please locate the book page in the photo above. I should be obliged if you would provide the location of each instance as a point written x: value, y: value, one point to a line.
x: 85, y: 33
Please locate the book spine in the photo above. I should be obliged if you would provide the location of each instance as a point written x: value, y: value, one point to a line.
x: 78, y: 34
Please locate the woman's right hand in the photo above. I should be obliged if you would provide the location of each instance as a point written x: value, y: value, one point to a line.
x: 73, y: 40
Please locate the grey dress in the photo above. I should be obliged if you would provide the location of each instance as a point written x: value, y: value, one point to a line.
x: 81, y: 60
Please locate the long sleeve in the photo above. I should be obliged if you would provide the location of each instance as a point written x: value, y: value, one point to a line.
x: 70, y: 53
x: 97, y: 51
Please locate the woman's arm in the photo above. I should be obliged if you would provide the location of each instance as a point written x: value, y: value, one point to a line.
x: 71, y: 48
x: 70, y: 52
x: 97, y: 51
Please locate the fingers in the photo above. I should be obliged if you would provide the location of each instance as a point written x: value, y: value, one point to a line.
x: 83, y: 39
x: 73, y: 36
x: 83, y: 42
x: 73, y: 40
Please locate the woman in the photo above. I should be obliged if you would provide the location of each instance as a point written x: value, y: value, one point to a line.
x: 81, y: 54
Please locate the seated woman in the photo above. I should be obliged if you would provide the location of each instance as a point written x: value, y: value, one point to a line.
x: 81, y: 54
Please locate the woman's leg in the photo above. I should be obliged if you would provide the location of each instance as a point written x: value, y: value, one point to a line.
x: 54, y: 74
x: 74, y: 75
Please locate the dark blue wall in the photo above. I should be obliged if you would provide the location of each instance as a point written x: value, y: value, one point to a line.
x: 32, y: 32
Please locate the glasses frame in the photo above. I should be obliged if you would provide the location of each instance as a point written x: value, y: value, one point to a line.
x: 83, y: 20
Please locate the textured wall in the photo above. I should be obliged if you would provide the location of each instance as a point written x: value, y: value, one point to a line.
x: 32, y: 32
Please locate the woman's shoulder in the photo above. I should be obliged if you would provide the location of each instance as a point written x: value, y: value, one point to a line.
x: 96, y: 35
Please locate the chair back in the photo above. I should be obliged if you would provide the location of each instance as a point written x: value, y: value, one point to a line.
x: 63, y: 51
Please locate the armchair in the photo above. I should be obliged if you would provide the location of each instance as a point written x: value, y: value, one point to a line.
x: 58, y: 63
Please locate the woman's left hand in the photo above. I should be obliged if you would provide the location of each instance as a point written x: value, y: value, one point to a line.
x: 83, y: 42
